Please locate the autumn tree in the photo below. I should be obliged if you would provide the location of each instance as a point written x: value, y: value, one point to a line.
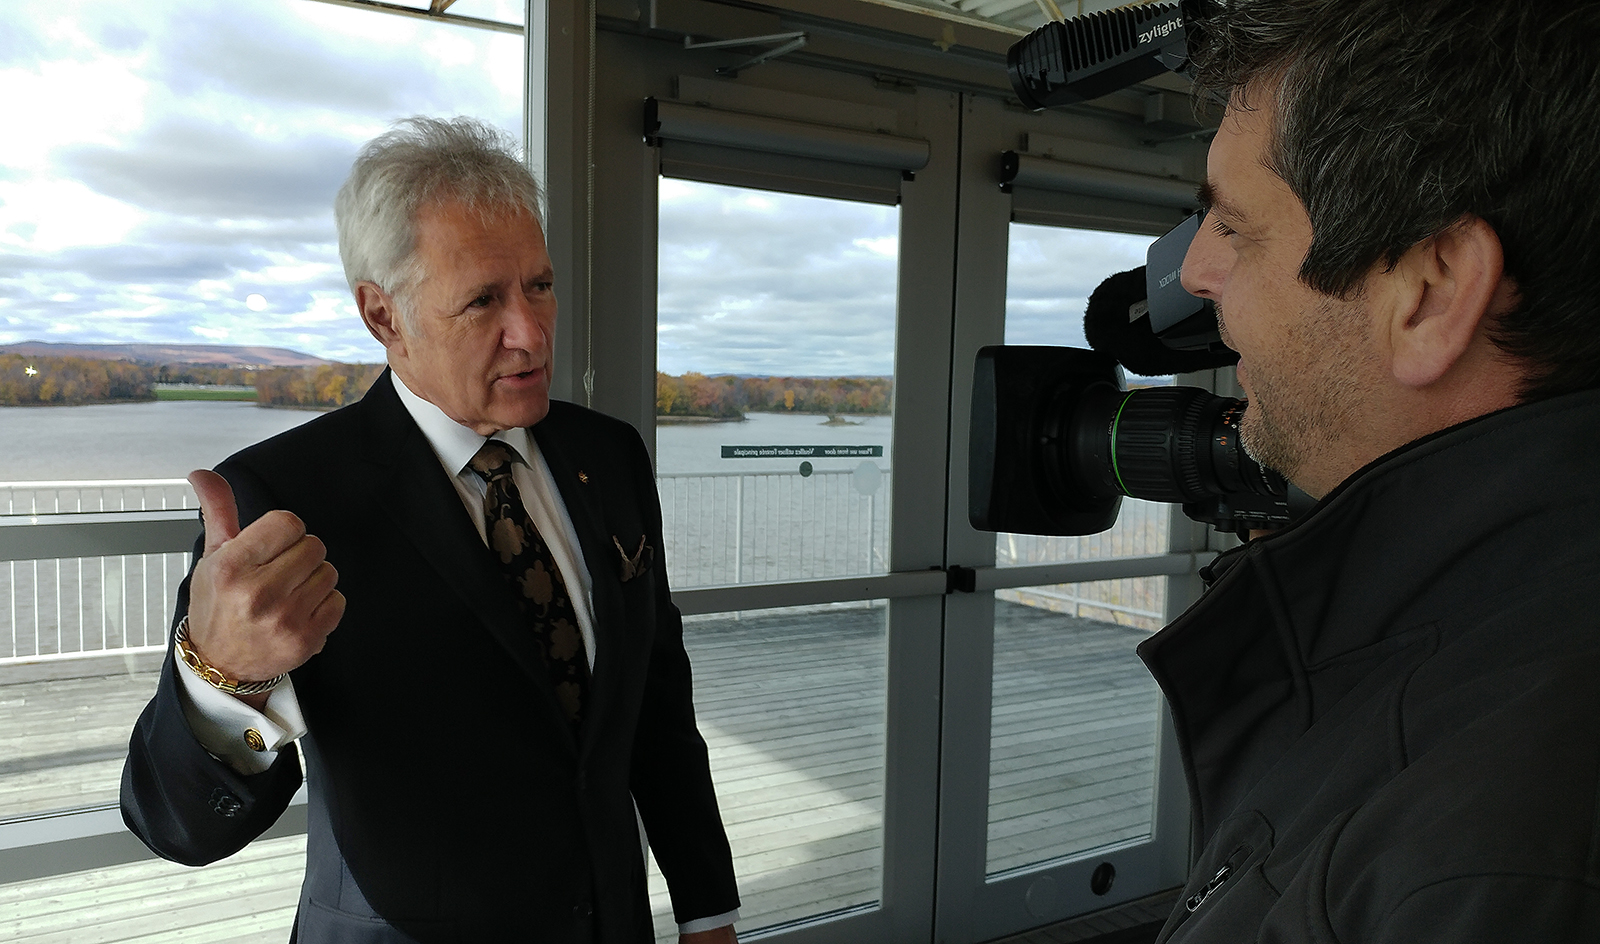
x: 727, y: 396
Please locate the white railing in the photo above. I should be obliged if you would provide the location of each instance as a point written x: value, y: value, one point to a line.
x: 721, y: 529
x: 71, y: 606
x: 730, y: 528
x: 1141, y: 528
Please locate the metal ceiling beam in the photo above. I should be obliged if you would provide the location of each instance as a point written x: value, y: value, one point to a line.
x: 378, y: 6
x: 995, y: 8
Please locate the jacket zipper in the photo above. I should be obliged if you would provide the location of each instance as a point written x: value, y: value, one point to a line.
x: 1199, y: 898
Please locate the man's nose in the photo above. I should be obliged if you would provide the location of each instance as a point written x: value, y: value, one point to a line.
x: 1205, y: 264
x: 526, y: 324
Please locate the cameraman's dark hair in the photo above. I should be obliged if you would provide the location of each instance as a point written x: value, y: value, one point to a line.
x: 1397, y: 118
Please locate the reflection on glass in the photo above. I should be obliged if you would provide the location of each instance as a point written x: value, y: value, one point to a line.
x: 1075, y: 718
x: 774, y: 398
x: 791, y: 704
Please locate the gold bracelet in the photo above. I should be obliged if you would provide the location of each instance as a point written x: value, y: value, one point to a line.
x: 213, y: 677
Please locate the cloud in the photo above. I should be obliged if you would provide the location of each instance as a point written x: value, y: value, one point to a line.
x: 198, y: 57
x: 1051, y: 273
x: 771, y: 283
x: 214, y: 170
x: 167, y: 160
x: 763, y: 283
x: 164, y: 161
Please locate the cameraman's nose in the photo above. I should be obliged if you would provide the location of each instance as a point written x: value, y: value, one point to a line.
x: 1205, y: 264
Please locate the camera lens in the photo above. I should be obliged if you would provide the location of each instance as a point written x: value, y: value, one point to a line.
x: 1165, y: 444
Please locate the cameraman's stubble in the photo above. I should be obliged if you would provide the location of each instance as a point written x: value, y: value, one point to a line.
x: 1308, y: 395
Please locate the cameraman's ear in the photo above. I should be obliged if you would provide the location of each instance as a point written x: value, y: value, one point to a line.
x: 1448, y: 290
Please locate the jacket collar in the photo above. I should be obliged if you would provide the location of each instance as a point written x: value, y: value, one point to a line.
x: 454, y: 444
x: 1417, y: 541
x: 414, y: 490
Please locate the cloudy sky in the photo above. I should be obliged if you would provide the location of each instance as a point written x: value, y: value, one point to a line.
x: 814, y: 288
x: 164, y: 162
x: 161, y: 162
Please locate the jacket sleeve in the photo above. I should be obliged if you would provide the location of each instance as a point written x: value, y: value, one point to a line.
x: 671, y: 779
x: 182, y: 802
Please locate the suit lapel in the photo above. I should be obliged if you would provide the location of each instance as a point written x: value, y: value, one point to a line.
x: 416, y: 494
x: 583, y: 503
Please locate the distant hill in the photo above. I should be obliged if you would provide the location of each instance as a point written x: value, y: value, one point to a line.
x: 220, y: 355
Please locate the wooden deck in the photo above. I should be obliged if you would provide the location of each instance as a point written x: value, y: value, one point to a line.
x: 792, y: 706
x: 1073, y: 737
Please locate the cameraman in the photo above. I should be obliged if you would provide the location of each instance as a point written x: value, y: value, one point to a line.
x: 1390, y: 712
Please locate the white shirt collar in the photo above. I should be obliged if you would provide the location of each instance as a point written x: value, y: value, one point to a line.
x: 454, y: 444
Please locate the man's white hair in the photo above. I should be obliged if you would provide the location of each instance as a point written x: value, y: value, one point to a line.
x: 421, y: 162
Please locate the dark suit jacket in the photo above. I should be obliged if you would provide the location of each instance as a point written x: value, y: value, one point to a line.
x: 449, y: 799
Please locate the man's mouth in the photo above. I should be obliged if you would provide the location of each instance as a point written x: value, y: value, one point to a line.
x: 525, y: 376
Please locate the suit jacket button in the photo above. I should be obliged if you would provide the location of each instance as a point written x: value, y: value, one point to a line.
x: 582, y: 910
x: 224, y: 803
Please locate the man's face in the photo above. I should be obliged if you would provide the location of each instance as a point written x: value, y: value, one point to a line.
x: 1306, y: 361
x: 484, y: 317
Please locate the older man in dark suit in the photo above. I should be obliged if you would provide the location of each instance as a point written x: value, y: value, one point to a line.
x: 507, y: 699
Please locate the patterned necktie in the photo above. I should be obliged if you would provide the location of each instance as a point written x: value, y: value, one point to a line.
x: 532, y: 573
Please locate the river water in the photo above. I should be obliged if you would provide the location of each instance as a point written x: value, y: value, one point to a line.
x: 166, y: 439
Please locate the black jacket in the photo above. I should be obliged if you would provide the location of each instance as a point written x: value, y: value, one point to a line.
x: 449, y: 800
x: 1390, y: 713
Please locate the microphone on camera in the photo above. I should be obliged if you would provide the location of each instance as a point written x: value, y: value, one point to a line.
x: 1117, y: 324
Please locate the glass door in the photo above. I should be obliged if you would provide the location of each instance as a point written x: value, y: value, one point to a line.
x: 818, y: 254
x: 1060, y: 788
x: 1074, y: 717
x: 774, y: 460
x: 793, y: 254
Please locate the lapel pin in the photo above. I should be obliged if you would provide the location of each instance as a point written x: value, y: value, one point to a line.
x: 583, y: 477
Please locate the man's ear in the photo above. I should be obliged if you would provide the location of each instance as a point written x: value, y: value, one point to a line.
x: 381, y: 314
x: 1449, y: 287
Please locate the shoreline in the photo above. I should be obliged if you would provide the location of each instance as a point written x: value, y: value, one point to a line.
x: 834, y: 419
x: 258, y: 403
x: 48, y: 406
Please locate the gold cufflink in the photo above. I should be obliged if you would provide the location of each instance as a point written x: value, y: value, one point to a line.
x: 254, y: 741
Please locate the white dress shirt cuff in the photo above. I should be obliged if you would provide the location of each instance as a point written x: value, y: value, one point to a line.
x: 709, y: 924
x: 221, y: 722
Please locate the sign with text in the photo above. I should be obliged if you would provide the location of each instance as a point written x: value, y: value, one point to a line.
x: 800, y: 452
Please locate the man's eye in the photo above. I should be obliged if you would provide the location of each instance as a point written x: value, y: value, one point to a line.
x: 482, y: 301
x: 1222, y: 229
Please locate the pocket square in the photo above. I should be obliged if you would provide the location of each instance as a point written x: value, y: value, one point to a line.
x: 638, y: 563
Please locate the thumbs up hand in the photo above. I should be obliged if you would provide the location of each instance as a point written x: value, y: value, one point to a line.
x: 261, y: 600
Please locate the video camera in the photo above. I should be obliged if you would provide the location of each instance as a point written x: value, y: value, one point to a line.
x: 1057, y: 438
